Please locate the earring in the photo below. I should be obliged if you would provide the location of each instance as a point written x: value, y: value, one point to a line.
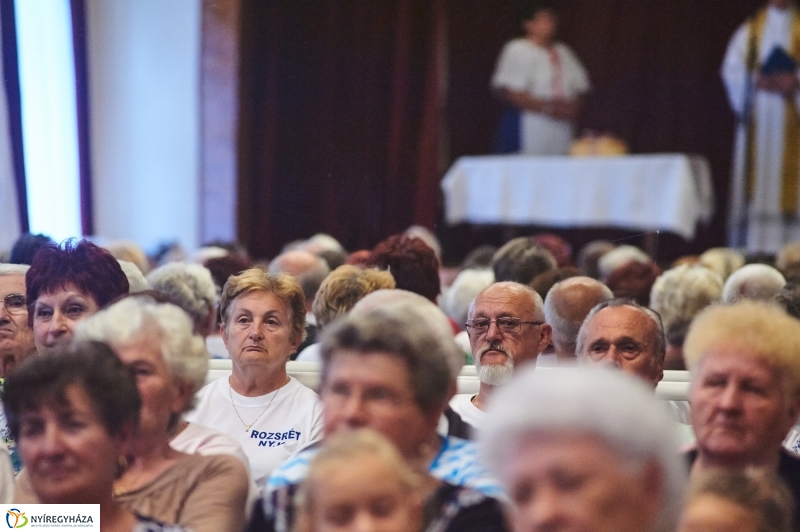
x: 424, y: 450
x: 122, y: 465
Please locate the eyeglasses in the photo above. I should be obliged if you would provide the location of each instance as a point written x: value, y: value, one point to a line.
x: 506, y: 325
x: 626, y: 348
x: 15, y: 303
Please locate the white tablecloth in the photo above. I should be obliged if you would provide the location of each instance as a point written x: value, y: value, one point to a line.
x: 669, y: 192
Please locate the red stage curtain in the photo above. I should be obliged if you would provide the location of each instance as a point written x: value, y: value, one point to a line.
x: 340, y: 111
x: 350, y: 111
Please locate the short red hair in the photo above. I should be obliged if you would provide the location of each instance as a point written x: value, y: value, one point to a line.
x: 92, y: 269
x: 412, y: 263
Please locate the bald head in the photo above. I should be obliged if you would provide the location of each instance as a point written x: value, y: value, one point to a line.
x: 498, y: 348
x: 309, y: 270
x: 567, y: 305
x: 520, y: 296
x: 295, y: 263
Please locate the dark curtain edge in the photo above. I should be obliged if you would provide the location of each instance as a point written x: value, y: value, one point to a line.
x: 8, y: 33
x: 78, y: 10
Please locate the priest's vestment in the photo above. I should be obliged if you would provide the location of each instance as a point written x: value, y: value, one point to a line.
x: 764, y: 209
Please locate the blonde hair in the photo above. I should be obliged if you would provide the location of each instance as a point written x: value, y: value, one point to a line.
x: 762, y: 329
x: 343, y: 288
x: 131, y: 252
x: 281, y: 285
x: 680, y: 294
x: 724, y: 261
x: 342, y: 450
x: 788, y: 256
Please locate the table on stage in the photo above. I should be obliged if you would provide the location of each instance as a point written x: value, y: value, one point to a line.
x: 659, y: 192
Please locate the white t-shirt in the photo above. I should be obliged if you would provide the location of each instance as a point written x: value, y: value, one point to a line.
x: 681, y: 415
x: 291, y: 421
x: 463, y: 406
x: 546, y: 74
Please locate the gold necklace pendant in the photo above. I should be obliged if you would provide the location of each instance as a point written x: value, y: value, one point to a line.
x: 246, y: 426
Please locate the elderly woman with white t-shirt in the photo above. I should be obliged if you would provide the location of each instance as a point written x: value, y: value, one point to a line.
x: 269, y: 413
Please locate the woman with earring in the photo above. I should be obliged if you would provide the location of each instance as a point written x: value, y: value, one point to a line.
x: 65, y: 285
x: 157, y: 341
x: 73, y: 415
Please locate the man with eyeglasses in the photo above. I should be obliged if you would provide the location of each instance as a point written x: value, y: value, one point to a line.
x: 506, y: 330
x: 16, y: 337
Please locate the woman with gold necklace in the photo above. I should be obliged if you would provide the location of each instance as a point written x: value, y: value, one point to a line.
x: 269, y: 413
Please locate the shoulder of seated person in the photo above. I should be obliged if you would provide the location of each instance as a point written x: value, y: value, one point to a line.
x: 216, y: 465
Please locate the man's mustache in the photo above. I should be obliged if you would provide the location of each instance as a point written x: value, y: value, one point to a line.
x: 493, y: 347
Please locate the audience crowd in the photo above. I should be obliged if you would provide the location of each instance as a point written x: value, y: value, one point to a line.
x: 327, y: 391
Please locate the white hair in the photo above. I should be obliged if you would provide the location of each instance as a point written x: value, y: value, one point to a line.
x: 679, y: 294
x: 204, y: 254
x: 565, y: 331
x: 316, y: 245
x: 468, y: 283
x: 324, y: 242
x: 610, y: 405
x: 190, y: 286
x: 402, y: 301
x: 618, y: 257
x: 133, y: 318
x: 427, y: 236
x: 724, y: 261
x: 14, y: 269
x: 758, y: 282
x: 494, y: 374
x: 136, y: 281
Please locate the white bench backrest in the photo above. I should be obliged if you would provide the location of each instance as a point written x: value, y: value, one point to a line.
x: 674, y: 386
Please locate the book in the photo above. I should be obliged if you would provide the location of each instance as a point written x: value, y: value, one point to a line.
x: 778, y: 62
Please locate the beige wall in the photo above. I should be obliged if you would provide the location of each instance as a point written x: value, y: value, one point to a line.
x: 144, y: 74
